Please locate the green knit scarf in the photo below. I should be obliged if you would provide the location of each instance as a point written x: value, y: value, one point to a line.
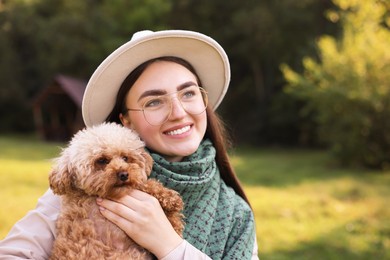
x: 218, y: 221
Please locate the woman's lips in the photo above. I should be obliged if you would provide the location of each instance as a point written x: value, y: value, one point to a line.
x: 178, y: 131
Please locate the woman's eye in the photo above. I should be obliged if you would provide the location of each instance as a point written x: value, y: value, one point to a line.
x: 154, y: 103
x: 189, y: 94
x: 103, y: 161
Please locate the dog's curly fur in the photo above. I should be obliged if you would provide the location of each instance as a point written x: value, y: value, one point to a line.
x: 106, y: 161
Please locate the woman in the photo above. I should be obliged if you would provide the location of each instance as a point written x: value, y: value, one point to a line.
x: 165, y: 85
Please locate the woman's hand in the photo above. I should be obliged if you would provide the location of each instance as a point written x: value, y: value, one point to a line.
x: 141, y: 217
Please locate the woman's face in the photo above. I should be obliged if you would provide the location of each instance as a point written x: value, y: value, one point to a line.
x: 182, y: 133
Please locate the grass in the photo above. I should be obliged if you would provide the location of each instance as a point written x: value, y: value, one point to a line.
x: 24, y: 166
x: 304, y: 207
x: 307, y: 209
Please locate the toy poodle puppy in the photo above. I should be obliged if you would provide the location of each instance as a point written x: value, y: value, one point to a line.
x: 106, y: 161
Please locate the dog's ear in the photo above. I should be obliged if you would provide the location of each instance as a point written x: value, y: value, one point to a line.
x: 60, y: 180
x: 148, y: 162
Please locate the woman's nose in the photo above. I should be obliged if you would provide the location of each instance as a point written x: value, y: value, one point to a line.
x: 177, y: 109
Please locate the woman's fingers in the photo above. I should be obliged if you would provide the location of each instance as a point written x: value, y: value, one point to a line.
x: 140, y: 195
x: 141, y: 217
x: 116, y: 212
x: 137, y: 208
x: 138, y: 201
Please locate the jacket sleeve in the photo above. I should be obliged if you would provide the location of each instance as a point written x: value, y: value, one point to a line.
x: 255, y: 255
x: 32, y: 237
x: 186, y: 251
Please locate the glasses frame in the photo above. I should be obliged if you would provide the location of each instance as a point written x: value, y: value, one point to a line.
x: 204, y: 97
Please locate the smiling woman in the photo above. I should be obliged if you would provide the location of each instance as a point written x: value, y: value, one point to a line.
x: 164, y: 85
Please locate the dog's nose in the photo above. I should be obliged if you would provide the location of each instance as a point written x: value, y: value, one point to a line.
x: 123, y: 176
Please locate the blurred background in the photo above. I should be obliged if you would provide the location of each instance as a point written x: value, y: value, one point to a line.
x: 308, y: 106
x: 43, y: 38
x: 309, y: 73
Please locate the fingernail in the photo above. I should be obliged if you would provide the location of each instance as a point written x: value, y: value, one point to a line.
x: 99, y: 200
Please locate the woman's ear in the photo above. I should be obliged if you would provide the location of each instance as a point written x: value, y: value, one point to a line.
x: 125, y: 121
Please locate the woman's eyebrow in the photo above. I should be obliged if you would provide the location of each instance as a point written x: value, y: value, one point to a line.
x: 160, y: 92
x: 153, y: 92
x: 186, y: 85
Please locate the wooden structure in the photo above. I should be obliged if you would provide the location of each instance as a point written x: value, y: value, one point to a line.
x: 57, y: 109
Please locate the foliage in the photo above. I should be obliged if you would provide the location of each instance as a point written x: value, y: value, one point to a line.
x: 348, y: 88
x: 258, y: 36
x: 304, y: 209
x: 40, y: 38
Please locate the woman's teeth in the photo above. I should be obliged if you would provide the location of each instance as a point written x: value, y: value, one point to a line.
x: 179, y: 131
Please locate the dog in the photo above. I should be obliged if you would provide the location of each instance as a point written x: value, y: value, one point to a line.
x: 106, y: 161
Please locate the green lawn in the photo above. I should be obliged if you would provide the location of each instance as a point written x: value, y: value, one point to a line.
x: 305, y: 208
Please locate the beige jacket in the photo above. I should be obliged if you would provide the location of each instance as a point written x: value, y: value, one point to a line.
x: 32, y: 236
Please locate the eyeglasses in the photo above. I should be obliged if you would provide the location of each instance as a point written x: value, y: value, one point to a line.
x: 157, y: 109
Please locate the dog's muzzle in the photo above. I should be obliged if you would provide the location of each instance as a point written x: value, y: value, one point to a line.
x: 123, y: 176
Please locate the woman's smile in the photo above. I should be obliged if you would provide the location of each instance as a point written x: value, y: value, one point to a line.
x: 178, y: 131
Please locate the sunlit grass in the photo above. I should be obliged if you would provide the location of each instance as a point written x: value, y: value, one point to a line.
x: 24, y: 167
x: 304, y: 207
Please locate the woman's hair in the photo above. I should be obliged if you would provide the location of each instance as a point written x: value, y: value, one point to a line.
x: 215, y: 131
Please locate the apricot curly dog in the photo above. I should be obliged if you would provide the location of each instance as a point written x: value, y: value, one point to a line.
x: 106, y: 161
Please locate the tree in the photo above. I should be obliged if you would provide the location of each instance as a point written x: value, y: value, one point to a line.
x: 41, y: 38
x: 348, y: 87
x: 257, y: 36
x: 44, y: 37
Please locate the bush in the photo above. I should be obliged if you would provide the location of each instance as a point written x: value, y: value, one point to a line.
x: 348, y: 88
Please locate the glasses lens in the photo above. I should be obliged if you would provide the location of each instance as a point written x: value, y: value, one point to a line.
x: 193, y: 100
x: 157, y: 109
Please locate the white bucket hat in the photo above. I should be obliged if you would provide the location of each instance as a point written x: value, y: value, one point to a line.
x: 202, y: 52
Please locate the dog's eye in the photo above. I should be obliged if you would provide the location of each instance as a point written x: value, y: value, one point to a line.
x: 125, y: 158
x: 103, y: 161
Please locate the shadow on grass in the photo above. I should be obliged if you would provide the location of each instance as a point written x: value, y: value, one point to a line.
x: 27, y: 148
x: 323, y: 251
x: 284, y: 167
x: 373, y: 244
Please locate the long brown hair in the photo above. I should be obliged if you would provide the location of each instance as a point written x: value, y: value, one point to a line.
x: 215, y: 131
